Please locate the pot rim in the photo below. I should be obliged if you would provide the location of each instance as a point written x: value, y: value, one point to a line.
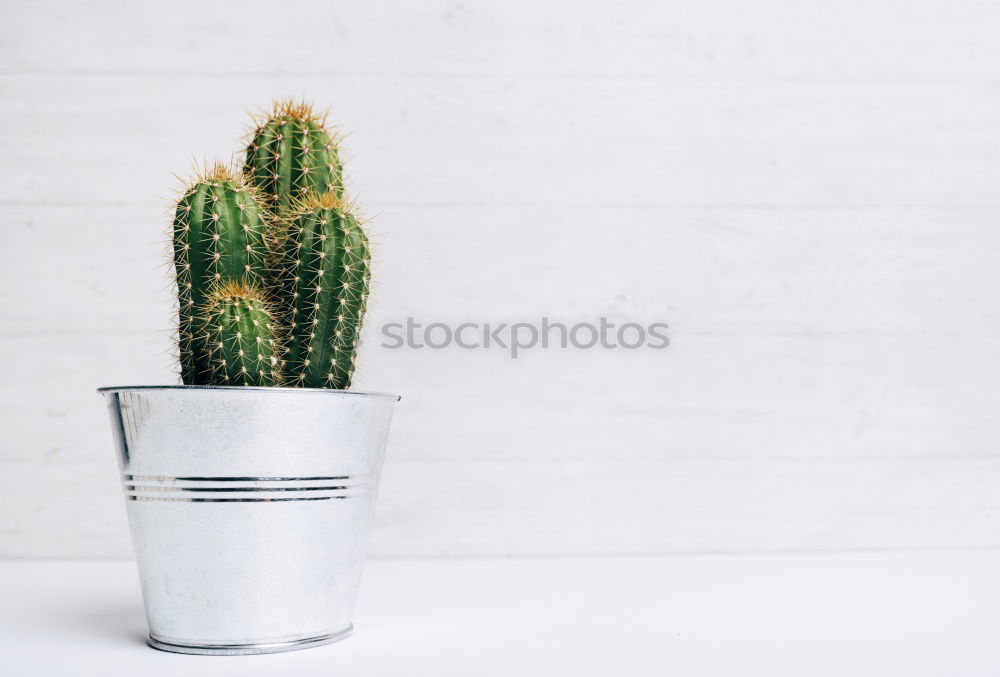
x: 277, y: 389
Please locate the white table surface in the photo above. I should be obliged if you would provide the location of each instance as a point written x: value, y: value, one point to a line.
x: 852, y: 614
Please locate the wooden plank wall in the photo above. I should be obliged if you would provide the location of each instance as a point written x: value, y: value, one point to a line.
x: 807, y: 192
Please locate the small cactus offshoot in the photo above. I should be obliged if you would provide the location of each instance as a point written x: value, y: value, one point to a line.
x: 238, y: 336
x: 292, y: 154
x: 326, y: 267
x: 219, y: 233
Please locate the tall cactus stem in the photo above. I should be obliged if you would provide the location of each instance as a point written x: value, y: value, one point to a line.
x: 326, y: 266
x: 220, y: 235
x: 291, y: 154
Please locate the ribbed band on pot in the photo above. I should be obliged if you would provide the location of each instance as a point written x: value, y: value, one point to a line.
x: 244, y: 489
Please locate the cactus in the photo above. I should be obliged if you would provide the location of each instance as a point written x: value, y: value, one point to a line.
x: 272, y: 263
x: 326, y: 265
x: 238, y: 337
x: 292, y: 154
x: 219, y: 234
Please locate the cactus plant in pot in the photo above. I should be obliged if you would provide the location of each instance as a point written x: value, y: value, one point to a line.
x: 250, y: 488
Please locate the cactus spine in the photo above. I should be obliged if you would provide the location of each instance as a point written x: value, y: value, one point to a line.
x: 326, y: 267
x: 238, y: 337
x: 219, y: 234
x: 292, y: 154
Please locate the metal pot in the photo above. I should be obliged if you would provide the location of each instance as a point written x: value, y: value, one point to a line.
x: 249, y: 510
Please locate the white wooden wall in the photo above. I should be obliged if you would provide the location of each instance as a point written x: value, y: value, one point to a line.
x: 807, y: 192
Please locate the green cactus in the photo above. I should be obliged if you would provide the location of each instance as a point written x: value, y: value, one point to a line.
x: 279, y: 232
x: 326, y: 266
x: 292, y: 154
x: 219, y: 236
x: 239, y: 337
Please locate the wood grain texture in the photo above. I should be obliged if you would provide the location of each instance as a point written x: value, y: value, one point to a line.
x: 471, y: 141
x: 579, y: 507
x: 853, y: 40
x: 806, y: 193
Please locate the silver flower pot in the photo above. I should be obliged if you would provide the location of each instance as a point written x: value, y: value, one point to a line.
x: 249, y: 510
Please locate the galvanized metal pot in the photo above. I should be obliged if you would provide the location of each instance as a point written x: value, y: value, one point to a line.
x: 249, y: 510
